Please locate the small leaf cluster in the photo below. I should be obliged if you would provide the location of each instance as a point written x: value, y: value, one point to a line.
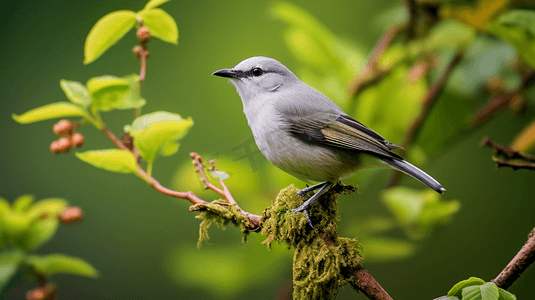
x: 24, y: 226
x: 113, y: 26
x: 476, y: 288
x: 153, y: 134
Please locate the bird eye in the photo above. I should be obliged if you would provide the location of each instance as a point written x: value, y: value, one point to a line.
x: 257, y: 72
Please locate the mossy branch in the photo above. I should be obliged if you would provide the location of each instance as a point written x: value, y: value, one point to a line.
x: 323, y: 261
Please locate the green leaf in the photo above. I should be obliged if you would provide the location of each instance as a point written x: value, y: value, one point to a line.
x: 446, y: 298
x: 525, y: 139
x: 75, y: 92
x: 160, y: 24
x: 59, y: 263
x: 9, y: 264
x: 505, y: 295
x: 418, y: 211
x: 114, y: 160
x: 40, y: 232
x: 15, y: 226
x: 22, y: 203
x: 106, y: 32
x: 107, y: 92
x: 49, y: 206
x: 154, y: 3
x: 132, y: 99
x: 159, y: 129
x: 457, y: 288
x: 406, y: 204
x: 51, y: 111
x: 383, y: 249
x: 4, y: 208
x: 518, y: 28
x: 486, y: 291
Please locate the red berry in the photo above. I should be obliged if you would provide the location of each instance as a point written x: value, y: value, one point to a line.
x: 143, y: 35
x: 36, y: 294
x: 71, y: 215
x: 54, y: 147
x: 137, y: 51
x: 77, y: 140
x: 64, y: 144
x: 63, y: 127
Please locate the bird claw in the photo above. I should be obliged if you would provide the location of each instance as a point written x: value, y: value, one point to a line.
x: 298, y: 210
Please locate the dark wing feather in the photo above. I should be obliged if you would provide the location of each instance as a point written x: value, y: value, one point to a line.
x: 339, y: 131
x: 360, y: 127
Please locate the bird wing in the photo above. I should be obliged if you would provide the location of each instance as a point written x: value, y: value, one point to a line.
x: 340, y: 131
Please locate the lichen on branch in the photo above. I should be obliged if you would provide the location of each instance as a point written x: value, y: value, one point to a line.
x: 221, y: 213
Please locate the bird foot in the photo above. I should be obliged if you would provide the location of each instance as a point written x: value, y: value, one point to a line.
x: 298, y: 210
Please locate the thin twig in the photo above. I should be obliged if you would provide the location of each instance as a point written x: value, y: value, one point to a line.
x: 507, y: 152
x: 143, y: 70
x: 225, y: 192
x: 429, y: 100
x: 370, y: 73
x: 427, y: 104
x: 522, y: 260
x: 500, y: 100
x: 113, y: 138
x: 514, y: 165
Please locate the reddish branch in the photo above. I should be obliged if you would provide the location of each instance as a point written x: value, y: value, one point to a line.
x: 370, y: 74
x: 522, y: 260
x: 369, y: 286
x: 197, y: 160
x: 496, y: 104
x: 429, y: 100
x: 501, y: 99
x: 254, y: 220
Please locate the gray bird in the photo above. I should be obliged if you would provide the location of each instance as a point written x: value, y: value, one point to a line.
x: 304, y: 133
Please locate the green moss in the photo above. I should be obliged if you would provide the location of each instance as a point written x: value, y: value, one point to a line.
x: 221, y: 213
x: 323, y: 261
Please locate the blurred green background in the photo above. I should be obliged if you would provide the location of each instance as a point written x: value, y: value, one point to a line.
x: 144, y: 243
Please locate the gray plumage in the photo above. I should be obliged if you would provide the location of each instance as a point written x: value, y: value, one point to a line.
x: 303, y: 132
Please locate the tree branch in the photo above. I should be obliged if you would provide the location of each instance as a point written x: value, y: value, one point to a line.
x: 367, y: 284
x: 364, y: 282
x: 522, y: 260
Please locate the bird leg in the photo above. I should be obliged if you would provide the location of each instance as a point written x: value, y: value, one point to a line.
x: 304, y: 207
x: 310, y: 188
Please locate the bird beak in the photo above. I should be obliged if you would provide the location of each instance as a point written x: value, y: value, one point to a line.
x: 229, y: 73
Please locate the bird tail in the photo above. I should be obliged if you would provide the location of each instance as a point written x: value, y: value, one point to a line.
x: 416, y: 173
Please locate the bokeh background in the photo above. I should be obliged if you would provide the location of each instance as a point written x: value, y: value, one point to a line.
x: 144, y: 243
